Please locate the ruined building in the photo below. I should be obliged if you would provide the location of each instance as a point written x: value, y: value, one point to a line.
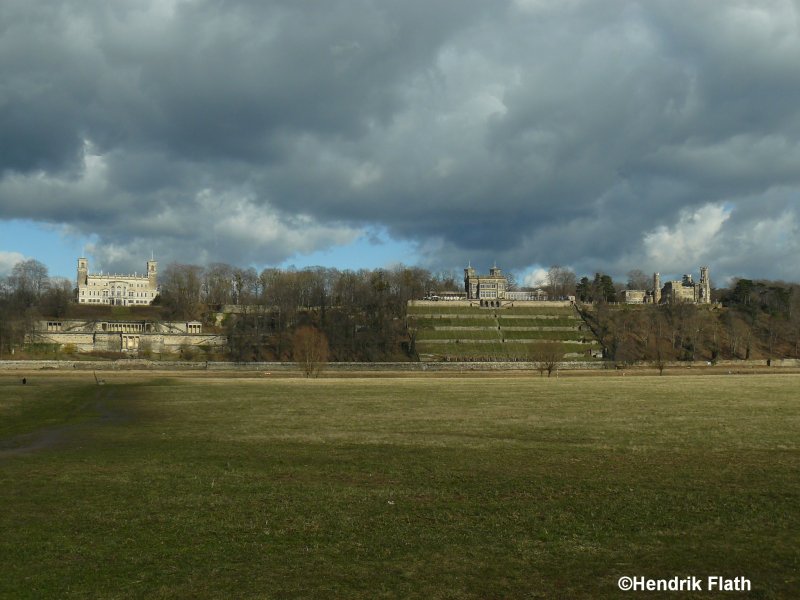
x: 671, y: 292
x: 684, y: 290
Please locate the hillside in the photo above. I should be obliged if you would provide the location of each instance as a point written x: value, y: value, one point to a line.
x: 630, y: 333
x: 444, y: 331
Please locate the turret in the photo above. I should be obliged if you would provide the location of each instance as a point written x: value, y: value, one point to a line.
x: 83, y: 271
x: 705, y: 286
x: 152, y: 273
x: 469, y: 273
x: 656, y: 288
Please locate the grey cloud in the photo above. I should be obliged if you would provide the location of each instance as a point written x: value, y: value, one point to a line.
x: 527, y: 133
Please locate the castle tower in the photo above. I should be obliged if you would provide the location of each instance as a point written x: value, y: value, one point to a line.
x: 705, y: 287
x: 83, y: 271
x: 469, y: 273
x: 152, y: 273
x: 656, y: 288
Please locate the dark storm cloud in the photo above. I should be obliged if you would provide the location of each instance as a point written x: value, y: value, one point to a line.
x: 592, y: 134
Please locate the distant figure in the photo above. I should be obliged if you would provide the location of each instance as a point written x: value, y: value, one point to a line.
x: 24, y: 381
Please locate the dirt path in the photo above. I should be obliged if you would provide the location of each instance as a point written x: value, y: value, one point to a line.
x: 50, y: 437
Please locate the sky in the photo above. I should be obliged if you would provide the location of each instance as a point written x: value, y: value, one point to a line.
x: 609, y: 135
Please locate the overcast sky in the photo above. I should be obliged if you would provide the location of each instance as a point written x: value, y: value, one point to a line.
x: 600, y: 135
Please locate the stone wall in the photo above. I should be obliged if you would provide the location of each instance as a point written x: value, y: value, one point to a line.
x: 113, y: 341
x: 269, y: 367
x: 504, y: 303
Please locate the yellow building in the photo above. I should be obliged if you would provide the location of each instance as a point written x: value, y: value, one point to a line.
x: 117, y: 290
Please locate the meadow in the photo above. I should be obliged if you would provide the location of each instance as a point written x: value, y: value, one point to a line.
x: 450, y: 487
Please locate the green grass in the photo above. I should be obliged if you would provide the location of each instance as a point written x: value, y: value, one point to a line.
x: 448, y: 309
x: 540, y: 322
x: 427, y: 322
x: 566, y: 311
x: 532, y: 334
x: 29, y: 408
x: 398, y: 488
x: 459, y: 334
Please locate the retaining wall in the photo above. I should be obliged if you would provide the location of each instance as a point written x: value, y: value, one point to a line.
x: 505, y: 303
x: 155, y: 365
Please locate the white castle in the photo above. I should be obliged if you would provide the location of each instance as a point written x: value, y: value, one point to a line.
x: 117, y: 290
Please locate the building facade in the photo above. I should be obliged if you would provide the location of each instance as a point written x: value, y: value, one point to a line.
x: 117, y: 290
x: 633, y: 296
x: 492, y: 290
x: 684, y: 290
x: 129, y: 337
x: 485, y: 287
x: 687, y: 290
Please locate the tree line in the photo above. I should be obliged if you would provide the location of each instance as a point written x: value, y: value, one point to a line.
x: 26, y: 294
x: 753, y: 319
x: 362, y: 313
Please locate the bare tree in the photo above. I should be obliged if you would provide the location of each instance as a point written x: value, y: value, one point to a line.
x: 246, y: 285
x: 794, y: 320
x: 775, y: 325
x: 180, y: 290
x: 310, y: 349
x: 546, y: 356
x: 561, y: 282
x: 55, y: 302
x: 734, y: 328
x: 658, y: 349
x: 218, y: 283
x: 657, y: 354
x: 512, y: 285
x: 29, y: 281
x: 638, y: 280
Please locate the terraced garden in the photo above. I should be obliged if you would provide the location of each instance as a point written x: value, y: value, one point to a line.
x: 447, y: 332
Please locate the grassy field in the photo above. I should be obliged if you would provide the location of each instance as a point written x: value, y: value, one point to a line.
x: 459, y: 334
x: 490, y: 487
x: 533, y: 334
x: 542, y: 321
x: 470, y: 321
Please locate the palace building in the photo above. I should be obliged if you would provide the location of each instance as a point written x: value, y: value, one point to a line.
x: 485, y: 287
x: 117, y: 290
x: 492, y: 291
